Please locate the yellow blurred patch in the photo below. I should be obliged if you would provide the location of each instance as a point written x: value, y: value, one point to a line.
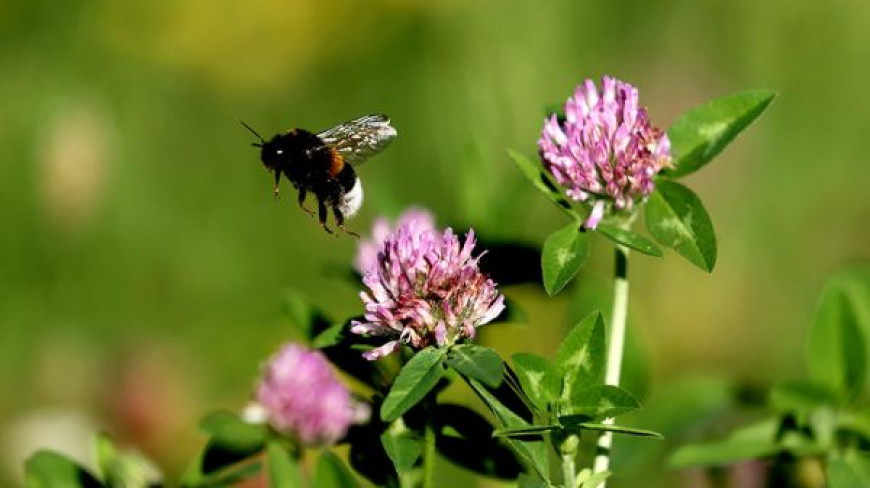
x: 261, y: 44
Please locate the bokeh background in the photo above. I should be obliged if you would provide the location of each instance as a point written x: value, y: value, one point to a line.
x: 143, y: 260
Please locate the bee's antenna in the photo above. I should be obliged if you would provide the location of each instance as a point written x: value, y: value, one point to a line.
x: 262, y: 141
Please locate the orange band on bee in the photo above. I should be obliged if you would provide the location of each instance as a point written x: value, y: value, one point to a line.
x: 337, y: 162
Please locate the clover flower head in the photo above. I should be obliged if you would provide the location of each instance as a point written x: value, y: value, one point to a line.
x: 301, y: 396
x: 605, y: 151
x: 425, y: 289
x: 368, y: 249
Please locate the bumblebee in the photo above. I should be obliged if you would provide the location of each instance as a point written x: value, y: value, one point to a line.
x: 322, y: 163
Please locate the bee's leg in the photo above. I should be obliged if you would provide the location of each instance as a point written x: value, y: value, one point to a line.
x: 277, y: 180
x: 302, y: 194
x: 321, y: 213
x: 339, y: 221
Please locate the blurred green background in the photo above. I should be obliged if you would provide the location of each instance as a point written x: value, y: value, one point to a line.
x: 143, y: 259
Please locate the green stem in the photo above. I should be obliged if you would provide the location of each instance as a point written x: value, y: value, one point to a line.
x: 568, y: 449
x: 429, y: 442
x: 615, y: 345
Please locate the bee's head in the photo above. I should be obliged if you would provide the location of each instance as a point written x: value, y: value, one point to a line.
x: 272, y: 152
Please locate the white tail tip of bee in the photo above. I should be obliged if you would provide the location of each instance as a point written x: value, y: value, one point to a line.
x: 352, y: 201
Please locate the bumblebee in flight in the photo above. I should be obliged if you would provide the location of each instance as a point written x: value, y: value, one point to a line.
x: 323, y: 163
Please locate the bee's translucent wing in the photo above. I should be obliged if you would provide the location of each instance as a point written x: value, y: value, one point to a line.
x: 361, y: 138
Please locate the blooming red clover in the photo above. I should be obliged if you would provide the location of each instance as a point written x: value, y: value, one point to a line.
x: 425, y: 289
x: 302, y: 397
x: 368, y: 249
x: 605, y: 151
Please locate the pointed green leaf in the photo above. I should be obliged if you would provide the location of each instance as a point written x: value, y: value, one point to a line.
x: 564, y: 253
x: 403, y: 448
x: 528, y: 481
x: 417, y: 378
x: 118, y: 468
x: 283, y: 470
x: 754, y: 441
x: 572, y: 425
x: 538, y: 377
x: 588, y: 479
x: 47, y: 469
x: 532, y: 430
x: 701, y: 133
x: 840, y: 335
x: 542, y: 181
x: 106, y: 454
x: 676, y: 218
x: 532, y: 452
x: 329, y: 337
x: 304, y: 315
x: 367, y: 455
x: 598, y: 402
x: 629, y: 239
x: 331, y: 472
x: 581, y: 355
x: 477, y: 362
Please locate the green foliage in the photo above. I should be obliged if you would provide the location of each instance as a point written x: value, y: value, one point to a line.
x: 572, y: 425
x: 563, y: 254
x: 587, y: 479
x: 702, y: 132
x: 330, y: 336
x: 539, y: 378
x: 283, y: 470
x: 228, y: 430
x: 417, y: 378
x: 477, y: 362
x: 107, y: 458
x: 751, y: 442
x: 543, y: 183
x: 308, y: 319
x: 118, y: 468
x: 331, y: 472
x: 598, y: 402
x: 47, y: 469
x: 231, y: 441
x: 533, y: 451
x: 800, y: 397
x: 581, y: 355
x: 402, y: 446
x: 465, y: 437
x: 526, y: 481
x: 840, y: 335
x: 676, y: 218
x: 849, y: 471
x: 821, y: 417
x: 629, y: 239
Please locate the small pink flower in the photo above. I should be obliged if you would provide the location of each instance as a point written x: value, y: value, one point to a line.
x: 605, y: 152
x: 426, y: 288
x: 368, y: 249
x: 302, y: 397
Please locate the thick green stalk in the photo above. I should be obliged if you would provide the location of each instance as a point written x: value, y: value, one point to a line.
x: 429, y: 443
x: 568, y: 449
x: 615, y: 346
